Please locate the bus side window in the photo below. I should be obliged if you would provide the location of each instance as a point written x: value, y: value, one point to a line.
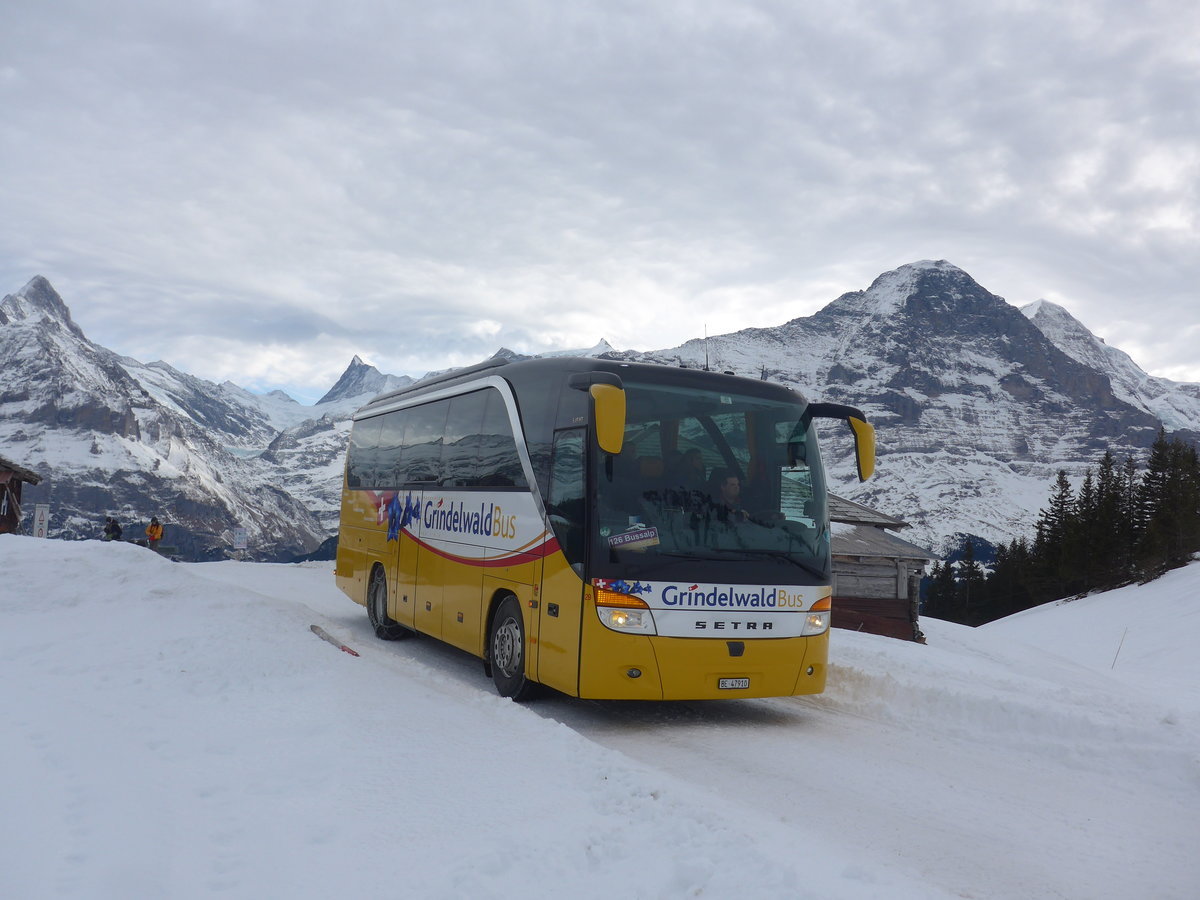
x: 566, y: 495
x: 499, y: 463
x: 460, y: 452
x: 424, y: 429
x: 391, y: 445
x: 361, y: 469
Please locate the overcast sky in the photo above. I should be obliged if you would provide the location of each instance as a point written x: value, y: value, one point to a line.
x: 257, y: 191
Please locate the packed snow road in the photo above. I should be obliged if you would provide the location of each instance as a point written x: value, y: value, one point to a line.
x: 178, y: 731
x: 981, y: 765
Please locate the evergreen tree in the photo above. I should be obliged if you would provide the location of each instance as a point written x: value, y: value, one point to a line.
x: 1158, y: 503
x: 1168, y: 500
x: 940, y: 596
x: 1054, y: 569
x: 1106, y: 531
x: 1082, y: 535
x: 971, y: 597
x: 1131, y: 523
x: 1005, y: 588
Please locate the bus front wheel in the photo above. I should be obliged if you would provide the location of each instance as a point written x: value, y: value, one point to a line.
x: 384, y: 625
x: 507, y: 652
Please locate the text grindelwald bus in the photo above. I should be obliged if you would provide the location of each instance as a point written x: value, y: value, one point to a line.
x: 611, y: 530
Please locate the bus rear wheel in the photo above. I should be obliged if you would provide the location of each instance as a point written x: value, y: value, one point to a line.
x: 384, y: 625
x: 507, y: 651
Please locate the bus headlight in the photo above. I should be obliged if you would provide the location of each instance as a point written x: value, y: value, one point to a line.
x: 815, y: 622
x: 627, y: 619
x: 621, y: 612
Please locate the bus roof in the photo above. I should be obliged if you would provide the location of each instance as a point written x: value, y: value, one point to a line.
x: 556, y: 368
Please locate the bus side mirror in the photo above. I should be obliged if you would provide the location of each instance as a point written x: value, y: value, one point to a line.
x: 864, y: 446
x: 608, y: 407
x: 864, y: 432
x: 608, y: 404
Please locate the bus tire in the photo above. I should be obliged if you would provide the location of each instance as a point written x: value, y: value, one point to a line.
x: 384, y: 625
x: 506, y: 651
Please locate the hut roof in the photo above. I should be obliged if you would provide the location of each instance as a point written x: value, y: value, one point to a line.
x: 843, y: 510
x: 871, y: 540
x: 22, y: 473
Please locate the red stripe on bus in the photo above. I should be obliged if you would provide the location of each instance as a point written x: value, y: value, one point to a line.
x: 550, y: 545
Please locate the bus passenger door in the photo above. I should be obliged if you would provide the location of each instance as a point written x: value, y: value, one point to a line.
x: 561, y: 607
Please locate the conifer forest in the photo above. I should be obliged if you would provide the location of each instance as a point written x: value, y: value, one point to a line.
x: 1124, y: 524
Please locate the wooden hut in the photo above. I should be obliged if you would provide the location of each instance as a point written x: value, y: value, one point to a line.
x: 12, y: 477
x: 876, y: 575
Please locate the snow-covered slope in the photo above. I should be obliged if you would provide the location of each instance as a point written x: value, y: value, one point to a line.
x: 222, y: 750
x: 1176, y: 404
x: 113, y: 437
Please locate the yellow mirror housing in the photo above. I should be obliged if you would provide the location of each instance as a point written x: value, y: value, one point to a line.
x: 608, y: 402
x: 864, y: 446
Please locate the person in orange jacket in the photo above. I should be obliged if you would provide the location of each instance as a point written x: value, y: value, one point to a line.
x: 154, y: 532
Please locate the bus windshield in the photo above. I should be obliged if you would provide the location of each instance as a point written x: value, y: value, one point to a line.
x: 713, y: 476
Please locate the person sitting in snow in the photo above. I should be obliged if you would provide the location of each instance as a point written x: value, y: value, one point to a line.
x: 112, y: 530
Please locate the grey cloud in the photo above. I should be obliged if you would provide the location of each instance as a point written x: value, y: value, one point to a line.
x: 577, y: 171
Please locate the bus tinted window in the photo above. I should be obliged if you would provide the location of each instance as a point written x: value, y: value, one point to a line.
x: 714, y: 473
x: 460, y: 450
x: 423, y: 432
x: 567, y: 493
x: 390, y: 449
x: 361, y: 466
x: 499, y: 464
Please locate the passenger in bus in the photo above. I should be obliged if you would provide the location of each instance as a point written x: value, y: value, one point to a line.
x: 725, y: 487
x: 691, y: 469
x: 685, y: 484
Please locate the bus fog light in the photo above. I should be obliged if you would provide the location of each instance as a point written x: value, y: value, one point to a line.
x: 816, y: 622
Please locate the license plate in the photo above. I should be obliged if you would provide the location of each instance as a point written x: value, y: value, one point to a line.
x: 733, y: 684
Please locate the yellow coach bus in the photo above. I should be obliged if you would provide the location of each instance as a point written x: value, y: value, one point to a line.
x: 611, y: 530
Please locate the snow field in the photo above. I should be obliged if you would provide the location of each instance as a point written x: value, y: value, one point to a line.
x: 177, y: 731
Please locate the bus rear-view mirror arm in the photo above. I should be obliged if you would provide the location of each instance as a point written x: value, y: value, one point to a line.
x: 863, y: 431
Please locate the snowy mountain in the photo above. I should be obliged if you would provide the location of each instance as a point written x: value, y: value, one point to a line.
x: 1175, y: 404
x: 361, y: 380
x: 112, y: 436
x: 977, y: 404
x: 976, y: 409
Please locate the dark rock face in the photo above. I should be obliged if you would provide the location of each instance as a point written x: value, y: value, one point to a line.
x: 944, y: 333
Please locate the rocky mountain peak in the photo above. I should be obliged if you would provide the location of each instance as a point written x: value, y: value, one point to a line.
x: 38, y: 301
x: 920, y: 292
x: 1177, y: 406
x: 361, y: 379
